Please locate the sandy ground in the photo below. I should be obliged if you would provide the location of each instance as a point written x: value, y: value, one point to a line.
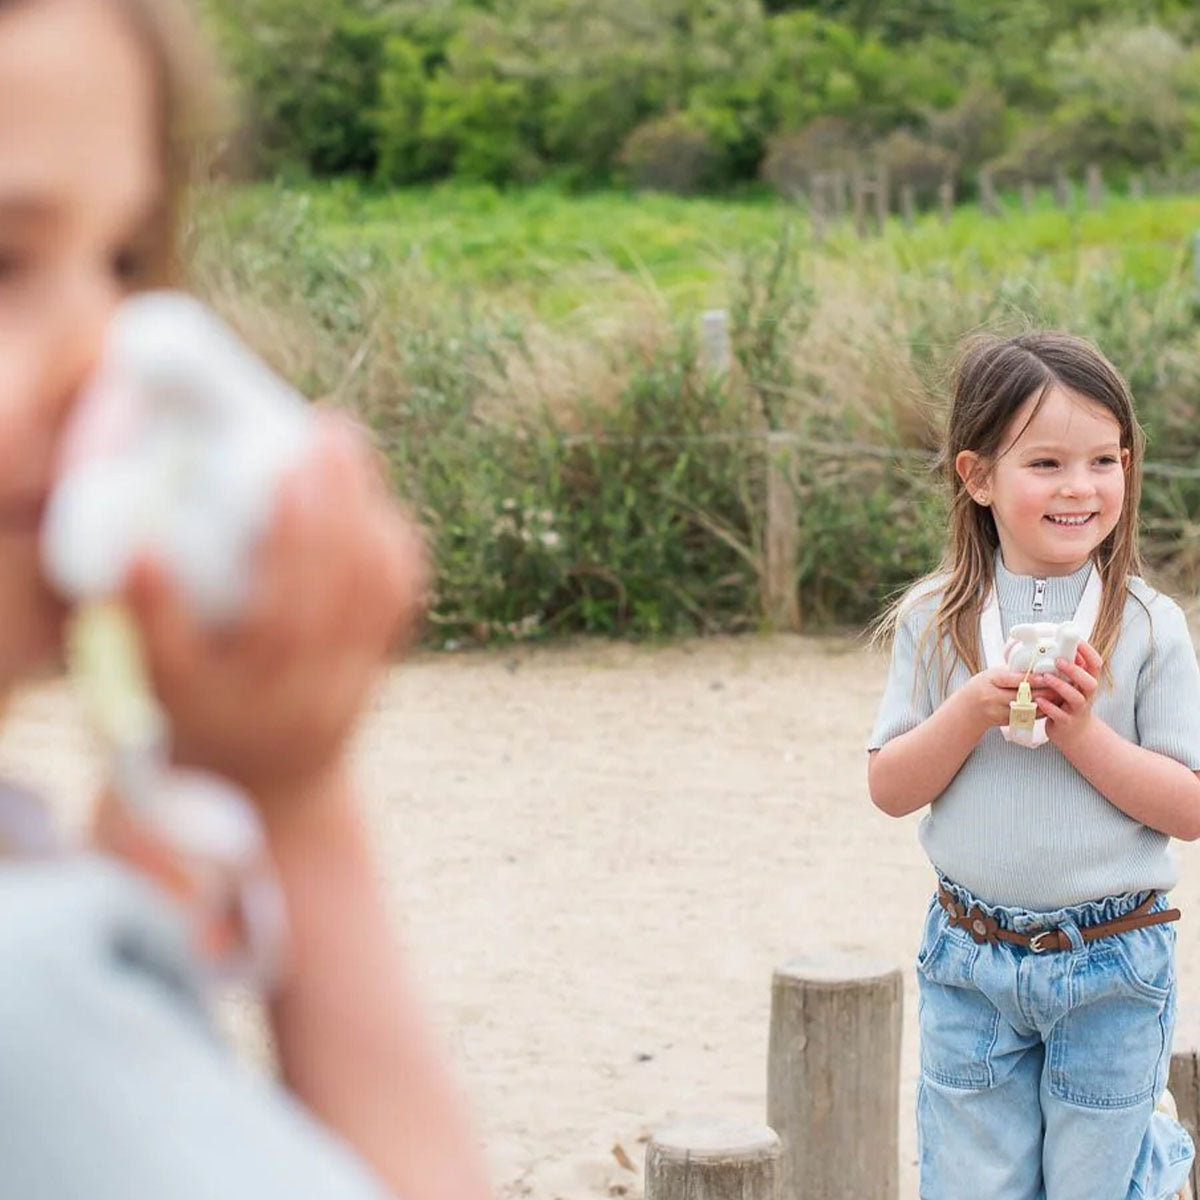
x: 598, y: 855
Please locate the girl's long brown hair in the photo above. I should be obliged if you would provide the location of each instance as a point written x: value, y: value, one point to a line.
x: 993, y: 378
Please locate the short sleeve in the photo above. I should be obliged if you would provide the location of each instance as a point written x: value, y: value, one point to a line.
x: 1167, y: 709
x: 908, y: 696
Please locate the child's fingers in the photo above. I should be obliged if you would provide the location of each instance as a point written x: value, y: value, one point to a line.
x: 1048, y: 708
x: 1078, y: 676
x: 1071, y: 695
x: 1092, y: 662
x: 172, y: 638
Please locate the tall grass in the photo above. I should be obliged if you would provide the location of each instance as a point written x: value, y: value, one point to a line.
x: 594, y: 474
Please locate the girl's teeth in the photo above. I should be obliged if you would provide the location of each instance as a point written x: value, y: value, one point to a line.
x: 1071, y: 520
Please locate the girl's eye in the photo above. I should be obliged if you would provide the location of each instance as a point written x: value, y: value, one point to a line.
x: 1043, y: 463
x: 131, y: 265
x: 1107, y: 460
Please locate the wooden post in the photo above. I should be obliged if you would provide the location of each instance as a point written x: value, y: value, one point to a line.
x: 907, y: 205
x: 714, y: 337
x: 780, y: 596
x: 860, y: 205
x: 1062, y: 189
x: 1184, y: 1079
x: 946, y: 199
x: 710, y: 1159
x: 833, y: 1077
x: 987, y: 194
x: 1095, y: 185
x: 1137, y: 187
x: 882, y: 199
x: 1027, y: 195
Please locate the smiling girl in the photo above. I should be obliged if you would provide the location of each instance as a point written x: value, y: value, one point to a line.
x: 1046, y: 969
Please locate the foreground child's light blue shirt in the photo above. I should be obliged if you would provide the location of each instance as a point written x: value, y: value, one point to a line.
x: 1022, y: 827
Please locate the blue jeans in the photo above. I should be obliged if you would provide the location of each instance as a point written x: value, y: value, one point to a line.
x: 1040, y: 1072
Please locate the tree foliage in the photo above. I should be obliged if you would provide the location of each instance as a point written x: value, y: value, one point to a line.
x: 512, y: 90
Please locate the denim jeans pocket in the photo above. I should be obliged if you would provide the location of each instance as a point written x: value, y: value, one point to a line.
x: 1110, y: 1049
x: 958, y: 1024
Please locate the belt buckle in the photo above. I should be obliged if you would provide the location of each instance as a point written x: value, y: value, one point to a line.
x: 1035, y: 942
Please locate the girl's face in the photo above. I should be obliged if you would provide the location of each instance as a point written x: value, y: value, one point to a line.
x: 1057, y: 485
x: 80, y: 185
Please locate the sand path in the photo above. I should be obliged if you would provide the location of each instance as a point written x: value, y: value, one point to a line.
x: 599, y: 853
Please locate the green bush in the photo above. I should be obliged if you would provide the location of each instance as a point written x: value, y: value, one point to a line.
x: 670, y: 154
x: 628, y: 495
x: 308, y: 73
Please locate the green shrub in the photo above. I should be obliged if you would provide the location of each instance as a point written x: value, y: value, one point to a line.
x: 670, y: 154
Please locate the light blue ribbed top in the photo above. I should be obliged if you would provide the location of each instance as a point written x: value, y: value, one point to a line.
x: 1022, y: 827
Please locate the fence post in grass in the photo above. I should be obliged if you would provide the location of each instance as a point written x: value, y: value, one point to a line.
x: 833, y: 1077
x: 860, y: 205
x: 1062, y: 189
x: 1095, y: 185
x: 833, y: 1072
x: 1137, y: 187
x: 711, y: 1159
x: 780, y: 596
x: 714, y: 338
x: 907, y: 205
x: 1184, y: 1079
x: 883, y: 199
x: 946, y: 199
x: 987, y: 194
x: 1027, y: 195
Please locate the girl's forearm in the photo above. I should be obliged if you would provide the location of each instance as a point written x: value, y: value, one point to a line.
x: 353, y: 1041
x: 913, y: 769
x: 1150, y: 787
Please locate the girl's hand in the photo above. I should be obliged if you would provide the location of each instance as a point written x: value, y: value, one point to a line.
x: 341, y: 577
x: 991, y: 692
x: 1067, y: 703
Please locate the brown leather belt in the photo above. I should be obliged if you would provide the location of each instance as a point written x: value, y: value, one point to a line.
x: 983, y: 928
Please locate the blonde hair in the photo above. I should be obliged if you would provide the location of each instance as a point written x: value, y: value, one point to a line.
x: 993, y: 379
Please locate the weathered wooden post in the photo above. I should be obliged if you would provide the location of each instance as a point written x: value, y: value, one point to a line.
x: 781, y: 599
x: 833, y: 1077
x: 883, y: 198
x: 860, y: 205
x: 1184, y: 1079
x: 987, y: 194
x: 1137, y: 187
x: 714, y: 338
x: 907, y: 205
x: 711, y: 1159
x: 1095, y: 185
x: 946, y: 199
x: 1027, y: 195
x: 1062, y: 189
